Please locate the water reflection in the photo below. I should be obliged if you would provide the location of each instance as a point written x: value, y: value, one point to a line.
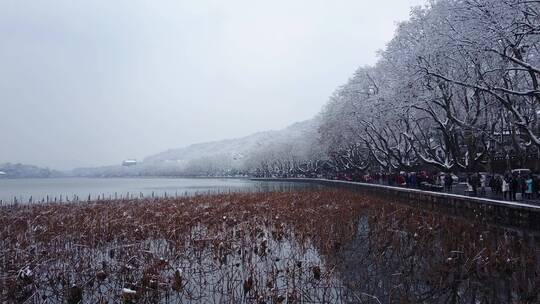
x: 402, y: 255
x: 314, y: 246
x: 83, y: 189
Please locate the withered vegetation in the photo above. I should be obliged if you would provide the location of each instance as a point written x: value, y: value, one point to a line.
x: 310, y: 246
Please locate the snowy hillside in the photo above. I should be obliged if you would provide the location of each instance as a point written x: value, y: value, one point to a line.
x: 219, y: 157
x: 9, y: 170
x: 235, y: 149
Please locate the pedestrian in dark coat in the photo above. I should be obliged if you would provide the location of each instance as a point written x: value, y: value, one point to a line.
x: 514, y: 187
x: 498, y: 184
x: 448, y: 182
x: 522, y: 185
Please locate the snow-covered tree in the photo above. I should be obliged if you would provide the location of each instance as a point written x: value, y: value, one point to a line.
x: 458, y: 80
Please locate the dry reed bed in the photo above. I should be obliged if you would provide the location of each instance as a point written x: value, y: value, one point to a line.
x: 318, y: 246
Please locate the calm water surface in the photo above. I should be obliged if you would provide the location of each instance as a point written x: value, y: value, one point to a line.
x: 38, y: 189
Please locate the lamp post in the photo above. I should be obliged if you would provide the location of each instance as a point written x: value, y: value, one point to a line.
x: 491, y: 162
x: 491, y: 151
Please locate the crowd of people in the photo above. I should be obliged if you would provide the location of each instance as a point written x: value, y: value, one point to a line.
x: 514, y: 185
x: 421, y: 180
x: 510, y: 186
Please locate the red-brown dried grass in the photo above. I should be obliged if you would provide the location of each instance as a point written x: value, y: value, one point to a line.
x: 314, y: 246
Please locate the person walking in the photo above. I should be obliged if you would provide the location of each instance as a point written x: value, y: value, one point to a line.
x: 514, y: 187
x: 483, y: 182
x: 473, y: 182
x: 523, y: 185
x: 505, y: 187
x: 448, y: 182
x: 493, y: 185
x: 529, y: 187
x: 408, y: 179
x: 400, y: 180
x: 497, y: 183
x: 414, y: 182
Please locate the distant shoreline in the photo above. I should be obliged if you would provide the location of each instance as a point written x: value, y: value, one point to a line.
x: 77, y: 189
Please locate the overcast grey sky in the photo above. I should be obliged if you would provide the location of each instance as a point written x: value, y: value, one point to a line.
x: 88, y: 83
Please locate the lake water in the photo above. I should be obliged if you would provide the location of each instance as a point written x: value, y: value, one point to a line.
x: 22, y: 190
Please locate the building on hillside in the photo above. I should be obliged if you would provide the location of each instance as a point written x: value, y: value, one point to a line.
x: 129, y: 162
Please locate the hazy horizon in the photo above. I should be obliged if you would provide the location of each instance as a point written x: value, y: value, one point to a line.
x: 92, y: 83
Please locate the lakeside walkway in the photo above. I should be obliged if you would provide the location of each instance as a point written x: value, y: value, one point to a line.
x: 460, y: 189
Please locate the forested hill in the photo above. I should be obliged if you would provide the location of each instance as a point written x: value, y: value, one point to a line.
x: 9, y: 170
x: 225, y: 157
x: 238, y: 149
